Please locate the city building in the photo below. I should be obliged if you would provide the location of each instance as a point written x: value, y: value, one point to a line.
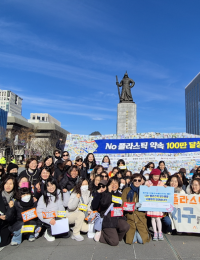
x: 3, y: 123
x: 192, y: 106
x: 10, y: 102
x: 43, y: 118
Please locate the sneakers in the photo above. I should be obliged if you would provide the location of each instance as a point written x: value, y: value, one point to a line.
x: 97, y: 236
x: 14, y: 243
x: 31, y: 239
x: 48, y: 237
x: 77, y: 237
x: 155, y: 237
x: 160, y: 236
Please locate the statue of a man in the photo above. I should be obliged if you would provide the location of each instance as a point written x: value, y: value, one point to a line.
x: 126, y: 84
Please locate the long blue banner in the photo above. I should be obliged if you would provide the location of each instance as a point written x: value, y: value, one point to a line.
x: 173, y: 145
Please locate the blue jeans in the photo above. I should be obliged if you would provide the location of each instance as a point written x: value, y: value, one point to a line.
x: 17, y: 236
x: 166, y: 224
x: 137, y: 238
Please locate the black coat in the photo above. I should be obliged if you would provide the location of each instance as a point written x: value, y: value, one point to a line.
x: 67, y: 182
x: 88, y: 167
x: 37, y: 194
x: 4, y: 224
x: 101, y: 202
x: 18, y: 208
x: 33, y: 178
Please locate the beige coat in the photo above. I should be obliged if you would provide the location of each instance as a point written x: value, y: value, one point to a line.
x: 136, y: 220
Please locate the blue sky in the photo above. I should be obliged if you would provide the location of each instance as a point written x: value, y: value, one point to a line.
x: 62, y: 57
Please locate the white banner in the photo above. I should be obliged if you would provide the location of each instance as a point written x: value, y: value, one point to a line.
x: 186, y: 214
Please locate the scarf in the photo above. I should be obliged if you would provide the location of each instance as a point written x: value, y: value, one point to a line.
x: 155, y: 183
x: 27, y: 205
x: 132, y: 191
x: 7, y: 196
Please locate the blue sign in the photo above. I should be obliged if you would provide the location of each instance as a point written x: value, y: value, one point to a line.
x: 156, y: 198
x: 172, y: 145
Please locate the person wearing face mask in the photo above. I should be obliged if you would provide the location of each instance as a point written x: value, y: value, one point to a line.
x: 52, y: 200
x: 31, y: 172
x: 113, y: 228
x: 12, y: 169
x: 79, y: 207
x: 138, y: 232
x: 24, y: 201
x: 2, y: 173
x: 8, y: 191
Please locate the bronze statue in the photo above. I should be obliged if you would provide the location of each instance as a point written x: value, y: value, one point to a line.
x: 126, y: 84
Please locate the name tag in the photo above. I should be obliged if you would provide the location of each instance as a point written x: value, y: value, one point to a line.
x: 116, y: 199
x: 27, y: 229
x: 83, y: 207
x: 61, y: 214
x: 122, y: 167
x: 117, y: 212
x: 105, y: 165
x: 50, y: 214
x: 92, y: 216
x: 129, y: 206
x: 29, y: 214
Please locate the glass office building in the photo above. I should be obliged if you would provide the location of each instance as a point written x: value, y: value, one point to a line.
x: 3, y: 123
x: 192, y: 106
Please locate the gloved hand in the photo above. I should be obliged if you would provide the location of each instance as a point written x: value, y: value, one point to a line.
x: 138, y: 205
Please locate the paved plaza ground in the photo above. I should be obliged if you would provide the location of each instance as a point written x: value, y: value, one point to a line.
x: 172, y: 248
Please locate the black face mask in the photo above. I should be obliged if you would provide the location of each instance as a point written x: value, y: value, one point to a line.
x: 15, y: 174
x: 57, y: 157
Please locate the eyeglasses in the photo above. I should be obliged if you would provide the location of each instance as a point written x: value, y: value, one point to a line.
x: 136, y: 180
x: 101, y: 186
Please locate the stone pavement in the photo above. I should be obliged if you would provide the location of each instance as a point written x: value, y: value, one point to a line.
x: 172, y: 248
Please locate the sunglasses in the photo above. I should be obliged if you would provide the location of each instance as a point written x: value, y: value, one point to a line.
x: 105, y: 176
x: 65, y: 155
x: 57, y: 153
x: 101, y: 186
x: 151, y: 167
x: 135, y: 180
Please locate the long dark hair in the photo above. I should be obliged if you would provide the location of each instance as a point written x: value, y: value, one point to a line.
x: 198, y: 180
x: 9, y: 177
x: 114, y: 178
x: 48, y: 170
x: 86, y: 158
x: 77, y: 188
x: 52, y: 181
x: 148, y: 164
x: 108, y: 159
x: 51, y: 167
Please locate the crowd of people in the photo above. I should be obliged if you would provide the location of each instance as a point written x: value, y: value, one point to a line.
x: 87, y: 193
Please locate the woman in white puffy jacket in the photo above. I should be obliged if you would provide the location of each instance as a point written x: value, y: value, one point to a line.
x: 78, y: 207
x: 50, y: 202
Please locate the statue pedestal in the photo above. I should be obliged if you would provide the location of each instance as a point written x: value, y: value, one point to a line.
x: 126, y: 118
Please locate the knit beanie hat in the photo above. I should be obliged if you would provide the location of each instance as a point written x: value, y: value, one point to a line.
x: 11, y: 166
x: 155, y: 172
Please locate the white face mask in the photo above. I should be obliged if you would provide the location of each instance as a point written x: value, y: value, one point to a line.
x: 121, y: 186
x: 26, y: 198
x: 85, y: 187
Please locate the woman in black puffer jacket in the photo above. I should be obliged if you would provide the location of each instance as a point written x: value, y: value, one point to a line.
x: 113, y: 228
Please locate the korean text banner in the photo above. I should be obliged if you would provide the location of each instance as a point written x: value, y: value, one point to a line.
x: 172, y: 145
x: 186, y: 214
x: 156, y: 198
